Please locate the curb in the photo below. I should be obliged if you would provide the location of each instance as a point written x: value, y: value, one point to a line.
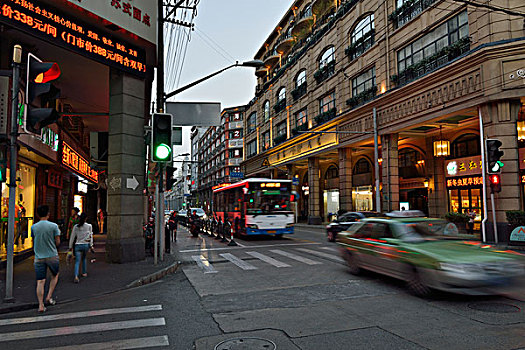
x: 154, y: 276
x: 137, y: 283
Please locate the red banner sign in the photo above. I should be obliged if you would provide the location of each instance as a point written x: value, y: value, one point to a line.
x: 465, y: 181
x: 77, y: 163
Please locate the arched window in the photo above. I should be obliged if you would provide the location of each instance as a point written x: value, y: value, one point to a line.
x: 466, y: 146
x: 327, y: 57
x: 281, y: 94
x: 362, y: 37
x: 332, y: 172
x: 266, y: 110
x: 362, y: 166
x: 300, y: 79
x: 252, y: 122
x: 411, y: 163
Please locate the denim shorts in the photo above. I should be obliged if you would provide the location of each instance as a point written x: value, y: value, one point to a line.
x: 41, y: 266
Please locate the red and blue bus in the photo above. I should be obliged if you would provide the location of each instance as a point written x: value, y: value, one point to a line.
x: 260, y: 206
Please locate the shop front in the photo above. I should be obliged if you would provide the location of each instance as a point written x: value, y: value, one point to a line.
x: 24, y: 209
x: 362, y: 190
x: 331, y: 193
x: 464, y: 184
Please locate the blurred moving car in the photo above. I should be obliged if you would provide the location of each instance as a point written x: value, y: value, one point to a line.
x: 200, y: 213
x: 429, y: 254
x: 344, y: 221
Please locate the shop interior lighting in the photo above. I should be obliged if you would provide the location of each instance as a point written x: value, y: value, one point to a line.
x: 441, y: 147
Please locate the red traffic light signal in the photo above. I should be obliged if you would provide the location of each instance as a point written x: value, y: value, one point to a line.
x: 495, y: 183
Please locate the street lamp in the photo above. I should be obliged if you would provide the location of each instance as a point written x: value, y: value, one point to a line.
x: 252, y: 63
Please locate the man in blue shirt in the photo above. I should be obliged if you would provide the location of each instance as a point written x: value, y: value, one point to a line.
x: 46, y: 239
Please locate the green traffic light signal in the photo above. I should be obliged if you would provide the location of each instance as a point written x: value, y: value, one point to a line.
x: 162, y: 151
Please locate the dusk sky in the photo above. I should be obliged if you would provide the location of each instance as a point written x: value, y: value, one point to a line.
x: 238, y: 27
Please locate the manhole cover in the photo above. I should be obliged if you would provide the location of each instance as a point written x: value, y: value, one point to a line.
x: 499, y: 308
x: 246, y: 344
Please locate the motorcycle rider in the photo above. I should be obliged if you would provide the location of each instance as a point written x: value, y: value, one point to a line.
x: 194, y: 224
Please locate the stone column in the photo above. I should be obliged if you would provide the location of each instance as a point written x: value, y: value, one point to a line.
x: 390, y: 174
x: 499, y: 122
x: 314, y: 199
x: 345, y: 179
x: 126, y: 160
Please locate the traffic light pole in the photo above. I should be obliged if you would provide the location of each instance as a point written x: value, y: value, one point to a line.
x: 17, y: 57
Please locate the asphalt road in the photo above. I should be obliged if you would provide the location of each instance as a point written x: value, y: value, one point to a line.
x: 295, y: 293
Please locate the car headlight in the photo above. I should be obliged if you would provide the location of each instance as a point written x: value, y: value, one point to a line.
x: 252, y: 226
x: 289, y: 225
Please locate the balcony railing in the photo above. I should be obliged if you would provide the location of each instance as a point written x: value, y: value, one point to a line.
x: 297, y: 130
x: 409, y: 10
x: 362, y: 97
x: 432, y: 63
x: 325, y: 116
x: 362, y: 44
x: 299, y: 91
x: 280, y: 105
x: 279, y: 139
x: 326, y: 72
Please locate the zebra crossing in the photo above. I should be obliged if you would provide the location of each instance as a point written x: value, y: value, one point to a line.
x: 100, y: 323
x: 279, y: 258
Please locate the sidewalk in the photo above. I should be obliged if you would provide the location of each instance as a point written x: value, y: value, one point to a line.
x: 315, y: 227
x: 102, y: 277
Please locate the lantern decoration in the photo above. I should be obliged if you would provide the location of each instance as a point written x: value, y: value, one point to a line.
x: 441, y: 148
x: 521, y: 130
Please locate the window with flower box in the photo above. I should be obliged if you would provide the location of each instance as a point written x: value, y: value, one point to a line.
x: 327, y: 108
x: 300, y: 85
x: 281, y: 100
x: 364, y: 88
x: 362, y: 37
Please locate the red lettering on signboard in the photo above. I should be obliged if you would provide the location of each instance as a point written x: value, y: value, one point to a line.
x: 77, y: 163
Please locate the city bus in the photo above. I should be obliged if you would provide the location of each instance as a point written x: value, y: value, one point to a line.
x: 262, y: 206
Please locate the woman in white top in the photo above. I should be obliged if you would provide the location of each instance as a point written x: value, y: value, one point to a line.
x: 83, y: 234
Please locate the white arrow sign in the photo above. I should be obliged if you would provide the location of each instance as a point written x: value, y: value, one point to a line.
x: 132, y: 183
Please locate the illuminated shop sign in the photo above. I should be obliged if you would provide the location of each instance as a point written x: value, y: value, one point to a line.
x: 77, y: 163
x: 271, y: 184
x: 463, y: 166
x: 465, y: 181
x: 56, y: 27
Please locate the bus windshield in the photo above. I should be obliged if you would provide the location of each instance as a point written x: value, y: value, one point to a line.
x: 268, y: 198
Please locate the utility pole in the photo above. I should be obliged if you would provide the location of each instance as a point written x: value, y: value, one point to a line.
x: 17, y: 59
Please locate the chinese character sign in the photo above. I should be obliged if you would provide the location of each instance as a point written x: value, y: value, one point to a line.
x: 77, y: 163
x: 49, y: 24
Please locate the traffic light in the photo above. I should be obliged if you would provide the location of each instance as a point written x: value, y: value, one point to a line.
x: 161, y: 148
x: 495, y: 183
x: 169, y: 177
x: 41, y: 95
x: 494, y: 154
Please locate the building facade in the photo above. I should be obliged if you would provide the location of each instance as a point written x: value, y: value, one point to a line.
x: 106, y: 62
x: 220, y: 154
x: 439, y: 74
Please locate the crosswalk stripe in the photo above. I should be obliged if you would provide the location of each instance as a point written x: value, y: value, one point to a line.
x: 89, y: 328
x: 268, y: 259
x: 93, y: 313
x: 321, y: 254
x: 137, y: 343
x: 204, y: 264
x: 296, y: 257
x: 332, y: 249
x: 240, y: 263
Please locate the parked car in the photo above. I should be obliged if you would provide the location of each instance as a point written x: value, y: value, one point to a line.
x: 344, y: 221
x: 429, y: 254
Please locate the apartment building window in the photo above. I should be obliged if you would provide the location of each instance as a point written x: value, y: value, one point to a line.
x: 252, y: 122
x: 300, y: 85
x: 235, y: 134
x: 300, y: 79
x: 364, y: 82
x: 301, y: 118
x: 236, y: 117
x: 266, y: 110
x: 281, y: 100
x: 434, y: 42
x: 327, y: 57
x: 280, y: 129
x: 327, y: 102
x: 235, y: 153
x: 265, y: 138
x: 362, y: 37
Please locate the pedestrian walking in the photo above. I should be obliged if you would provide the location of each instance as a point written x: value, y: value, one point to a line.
x: 73, y: 220
x: 80, y: 242
x: 471, y: 217
x: 46, y: 239
x: 172, y: 224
